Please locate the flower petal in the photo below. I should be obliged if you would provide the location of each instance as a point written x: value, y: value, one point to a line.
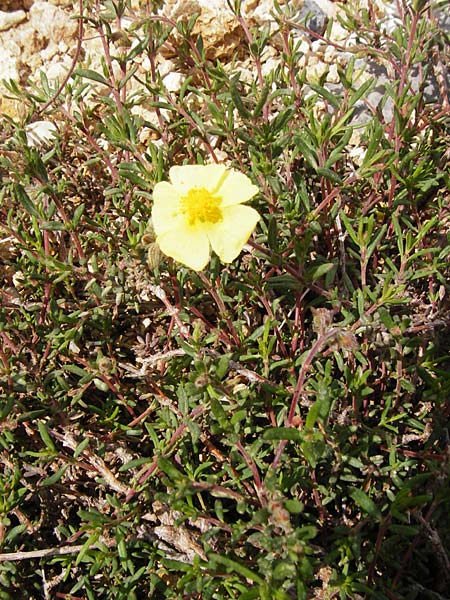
x: 236, y: 188
x: 187, y: 177
x: 229, y: 236
x: 185, y: 244
x: 166, y: 207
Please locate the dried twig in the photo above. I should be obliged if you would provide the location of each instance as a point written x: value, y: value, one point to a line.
x: 29, y: 555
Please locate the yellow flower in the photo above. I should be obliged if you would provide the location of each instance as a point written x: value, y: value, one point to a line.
x: 200, y: 208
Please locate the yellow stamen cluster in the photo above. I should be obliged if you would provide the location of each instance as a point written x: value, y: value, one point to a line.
x: 201, y: 206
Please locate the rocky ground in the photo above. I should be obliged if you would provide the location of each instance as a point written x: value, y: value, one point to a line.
x: 42, y: 37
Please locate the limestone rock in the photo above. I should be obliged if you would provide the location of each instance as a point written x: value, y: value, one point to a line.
x: 9, y: 65
x: 11, y: 19
x: 9, y: 5
x: 40, y: 133
x: 52, y: 22
x: 220, y: 31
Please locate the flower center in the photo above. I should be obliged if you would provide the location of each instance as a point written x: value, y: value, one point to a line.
x: 201, y: 206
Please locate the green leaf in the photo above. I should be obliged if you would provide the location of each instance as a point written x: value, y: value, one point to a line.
x: 81, y: 447
x: 314, y: 447
x: 262, y: 100
x: 366, y: 503
x: 53, y: 226
x: 337, y: 151
x: 78, y: 213
x: 236, y: 97
x: 348, y: 227
x: 92, y: 539
x: 316, y: 272
x: 222, y: 366
x: 25, y: 200
x: 55, y: 477
x: 46, y: 436
x: 374, y: 243
x: 313, y: 414
x: 284, y: 281
x: 90, y: 74
x: 169, y: 469
x: 326, y: 94
x: 283, y: 433
x: 329, y: 174
x: 305, y: 147
x: 294, y: 506
x: 361, y: 91
x: 272, y: 233
x: 233, y: 566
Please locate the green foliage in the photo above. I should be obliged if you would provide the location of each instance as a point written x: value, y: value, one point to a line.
x: 273, y: 429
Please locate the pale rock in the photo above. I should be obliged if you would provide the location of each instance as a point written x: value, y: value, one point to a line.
x: 52, y: 22
x: 220, y: 31
x: 40, y: 133
x: 333, y: 75
x: 259, y: 11
x: 8, y: 20
x: 327, y: 7
x: 315, y: 14
x: 246, y: 75
x: 318, y: 46
x: 357, y: 154
x: 216, y: 23
x: 49, y: 52
x: 304, y: 47
x: 93, y: 51
x: 9, y: 5
x: 57, y: 70
x: 30, y: 40
x: 184, y: 9
x: 31, y: 66
x: 69, y: 4
x: 63, y: 47
x: 9, y: 65
x: 221, y: 156
x: 73, y: 347
x: 146, y: 64
x: 173, y: 81
x: 215, y: 5
x: 146, y: 136
x: 165, y: 66
x: 338, y: 34
x: 270, y: 65
x: 330, y: 55
x: 315, y: 71
x: 267, y: 53
x: 151, y: 132
x: 13, y: 108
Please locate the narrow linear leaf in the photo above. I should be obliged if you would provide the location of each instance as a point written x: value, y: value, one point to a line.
x: 25, y: 201
x: 81, y: 447
x: 361, y: 91
x: 262, y: 100
x: 46, y: 436
x: 283, y: 433
x: 329, y: 174
x: 169, y: 469
x: 90, y: 74
x: 233, y: 566
x: 326, y: 94
x: 236, y: 97
x: 92, y: 539
x: 55, y: 477
x: 366, y: 503
x: 317, y: 272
